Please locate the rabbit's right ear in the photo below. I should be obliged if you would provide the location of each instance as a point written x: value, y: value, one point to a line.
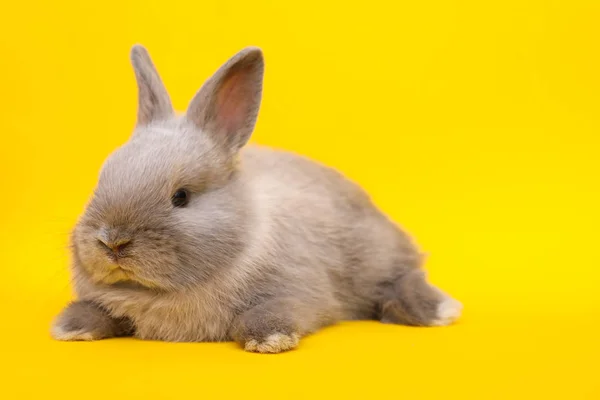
x: 153, y: 100
x: 226, y: 107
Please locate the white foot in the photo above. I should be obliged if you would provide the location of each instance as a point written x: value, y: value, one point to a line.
x: 59, y: 333
x: 448, y: 311
x: 275, y: 343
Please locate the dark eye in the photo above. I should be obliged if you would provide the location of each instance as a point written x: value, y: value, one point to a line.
x: 180, y: 198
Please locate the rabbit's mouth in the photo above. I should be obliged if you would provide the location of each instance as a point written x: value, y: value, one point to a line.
x: 118, y: 274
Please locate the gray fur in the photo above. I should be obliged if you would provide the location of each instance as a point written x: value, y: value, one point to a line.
x: 85, y: 316
x: 271, y: 244
x: 154, y: 102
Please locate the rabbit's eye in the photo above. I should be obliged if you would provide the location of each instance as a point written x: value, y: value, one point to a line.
x: 180, y: 198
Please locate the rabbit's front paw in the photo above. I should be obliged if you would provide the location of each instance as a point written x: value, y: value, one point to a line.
x: 274, y: 343
x: 59, y: 332
x: 83, y: 320
x: 269, y: 327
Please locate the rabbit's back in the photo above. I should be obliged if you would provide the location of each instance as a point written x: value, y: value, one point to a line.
x: 323, y: 231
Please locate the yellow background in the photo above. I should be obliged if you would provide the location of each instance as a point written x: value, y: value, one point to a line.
x: 474, y: 124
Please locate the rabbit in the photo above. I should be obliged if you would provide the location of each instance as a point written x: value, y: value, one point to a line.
x: 193, y: 236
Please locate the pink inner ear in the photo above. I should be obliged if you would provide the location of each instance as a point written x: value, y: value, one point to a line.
x: 233, y: 101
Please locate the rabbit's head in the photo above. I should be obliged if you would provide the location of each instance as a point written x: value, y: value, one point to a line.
x: 168, y: 210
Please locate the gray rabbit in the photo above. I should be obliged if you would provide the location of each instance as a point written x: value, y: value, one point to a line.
x: 193, y: 236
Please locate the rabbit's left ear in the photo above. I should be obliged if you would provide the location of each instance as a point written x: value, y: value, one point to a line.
x: 226, y: 107
x: 153, y: 100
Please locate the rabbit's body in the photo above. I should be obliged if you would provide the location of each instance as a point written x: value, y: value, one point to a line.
x: 308, y: 227
x: 257, y: 245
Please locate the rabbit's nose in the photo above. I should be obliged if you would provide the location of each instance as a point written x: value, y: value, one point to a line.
x: 113, y: 241
x: 116, y: 246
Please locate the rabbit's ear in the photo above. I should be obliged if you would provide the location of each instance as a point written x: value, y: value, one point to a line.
x: 153, y: 100
x: 226, y: 107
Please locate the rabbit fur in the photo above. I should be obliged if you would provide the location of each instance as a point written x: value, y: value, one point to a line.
x: 268, y: 247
